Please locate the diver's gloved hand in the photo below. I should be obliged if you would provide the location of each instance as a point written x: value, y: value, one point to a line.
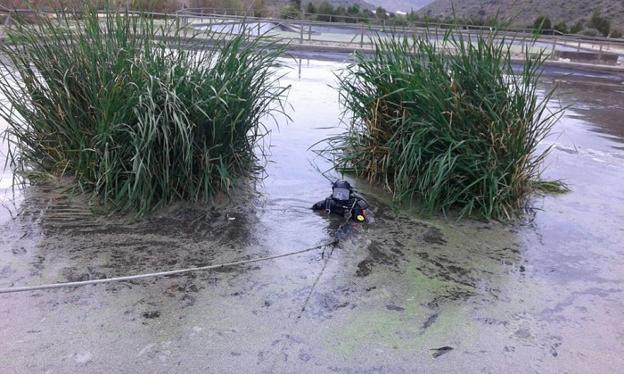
x: 319, y: 206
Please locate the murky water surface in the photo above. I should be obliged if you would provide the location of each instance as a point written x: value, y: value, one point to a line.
x: 403, y: 295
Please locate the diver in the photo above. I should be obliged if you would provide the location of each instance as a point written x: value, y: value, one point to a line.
x: 344, y: 201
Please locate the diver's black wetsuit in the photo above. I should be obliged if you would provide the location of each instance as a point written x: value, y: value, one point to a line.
x: 344, y: 201
x: 342, y: 207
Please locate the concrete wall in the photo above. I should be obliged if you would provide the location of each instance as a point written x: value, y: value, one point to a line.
x: 589, y: 57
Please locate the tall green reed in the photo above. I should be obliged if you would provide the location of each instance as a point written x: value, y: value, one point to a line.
x: 446, y: 123
x: 138, y: 111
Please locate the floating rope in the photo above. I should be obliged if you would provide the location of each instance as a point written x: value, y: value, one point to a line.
x: 162, y: 273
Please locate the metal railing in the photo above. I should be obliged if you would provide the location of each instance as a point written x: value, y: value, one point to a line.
x: 360, y: 35
x: 387, y: 22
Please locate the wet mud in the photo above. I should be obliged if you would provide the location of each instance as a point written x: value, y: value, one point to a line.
x: 405, y: 294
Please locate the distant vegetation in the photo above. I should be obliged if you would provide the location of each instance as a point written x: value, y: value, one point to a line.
x: 446, y: 131
x: 326, y: 12
x: 598, y: 25
x: 468, y: 12
x: 597, y: 18
x: 134, y: 119
x: 152, y: 5
x: 595, y: 25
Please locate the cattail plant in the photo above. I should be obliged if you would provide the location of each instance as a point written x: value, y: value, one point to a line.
x: 446, y: 124
x: 135, y: 110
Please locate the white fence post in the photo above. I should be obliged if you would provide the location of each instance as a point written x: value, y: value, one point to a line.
x: 361, y: 35
x: 7, y: 24
x: 554, y: 46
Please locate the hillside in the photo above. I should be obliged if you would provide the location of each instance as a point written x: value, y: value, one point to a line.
x: 390, y: 5
x: 524, y: 12
x: 400, y: 5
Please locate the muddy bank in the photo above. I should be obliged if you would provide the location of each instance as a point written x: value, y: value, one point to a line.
x: 405, y: 294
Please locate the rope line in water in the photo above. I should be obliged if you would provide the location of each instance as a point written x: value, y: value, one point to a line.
x: 160, y: 274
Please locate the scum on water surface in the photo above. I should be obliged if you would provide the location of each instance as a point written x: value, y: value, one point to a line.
x: 405, y: 292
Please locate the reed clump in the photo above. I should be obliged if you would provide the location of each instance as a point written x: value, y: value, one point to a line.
x: 121, y: 103
x: 446, y: 124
